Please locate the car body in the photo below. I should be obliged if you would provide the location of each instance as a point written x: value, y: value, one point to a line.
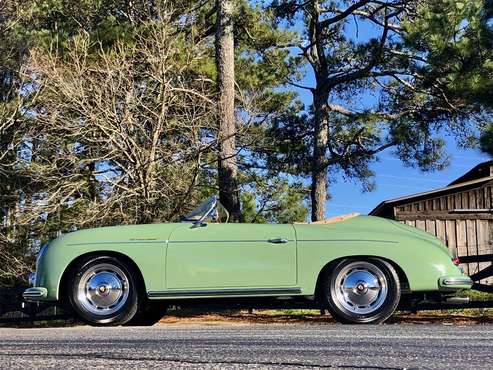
x: 195, y: 259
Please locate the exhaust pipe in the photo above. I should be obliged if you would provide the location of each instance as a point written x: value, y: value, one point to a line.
x: 457, y: 300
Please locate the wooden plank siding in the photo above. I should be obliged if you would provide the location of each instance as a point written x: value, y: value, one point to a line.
x: 463, y: 221
x: 472, y: 199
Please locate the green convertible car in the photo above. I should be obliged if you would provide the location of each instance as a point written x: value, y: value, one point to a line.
x: 359, y: 268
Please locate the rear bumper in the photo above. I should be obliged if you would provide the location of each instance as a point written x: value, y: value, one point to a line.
x: 35, y: 294
x: 455, y: 282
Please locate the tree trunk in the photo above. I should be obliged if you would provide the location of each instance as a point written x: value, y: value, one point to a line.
x: 319, y: 168
x: 318, y: 61
x: 227, y: 167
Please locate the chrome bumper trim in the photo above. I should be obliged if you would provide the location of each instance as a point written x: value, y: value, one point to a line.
x: 455, y: 281
x: 35, y: 294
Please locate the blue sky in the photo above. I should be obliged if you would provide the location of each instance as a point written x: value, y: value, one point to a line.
x: 392, y: 178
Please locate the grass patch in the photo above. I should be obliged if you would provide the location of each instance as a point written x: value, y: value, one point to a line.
x: 474, y: 295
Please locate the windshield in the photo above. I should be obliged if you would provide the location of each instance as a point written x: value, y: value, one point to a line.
x: 211, y: 209
x: 202, y: 211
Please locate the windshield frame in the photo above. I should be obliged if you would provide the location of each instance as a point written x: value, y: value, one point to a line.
x: 202, y: 211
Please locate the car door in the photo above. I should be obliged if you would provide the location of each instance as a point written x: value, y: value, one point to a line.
x: 231, y: 255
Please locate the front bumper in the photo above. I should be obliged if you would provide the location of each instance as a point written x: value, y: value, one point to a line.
x: 455, y: 282
x: 35, y: 294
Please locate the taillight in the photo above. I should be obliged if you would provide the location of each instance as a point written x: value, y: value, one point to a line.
x: 456, y: 261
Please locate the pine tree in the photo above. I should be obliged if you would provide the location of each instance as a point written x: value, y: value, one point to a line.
x: 227, y: 166
x: 115, y: 123
x: 486, y: 140
x: 372, y: 92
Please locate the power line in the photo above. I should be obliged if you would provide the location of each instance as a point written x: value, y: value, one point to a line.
x: 451, y: 165
x: 410, y: 178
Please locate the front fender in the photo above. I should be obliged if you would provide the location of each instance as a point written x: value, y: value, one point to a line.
x: 140, y: 243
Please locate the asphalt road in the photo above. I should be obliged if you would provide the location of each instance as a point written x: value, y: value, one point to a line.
x: 250, y: 346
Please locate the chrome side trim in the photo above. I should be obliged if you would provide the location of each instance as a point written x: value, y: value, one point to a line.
x: 348, y: 240
x: 122, y: 242
x: 154, y: 241
x: 226, y: 241
x: 287, y: 240
x: 223, y: 292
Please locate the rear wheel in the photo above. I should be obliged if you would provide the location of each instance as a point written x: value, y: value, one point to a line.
x: 363, y: 291
x: 104, y: 290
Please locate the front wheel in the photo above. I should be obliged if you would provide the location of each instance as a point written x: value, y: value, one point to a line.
x: 104, y: 290
x: 150, y: 314
x: 361, y: 291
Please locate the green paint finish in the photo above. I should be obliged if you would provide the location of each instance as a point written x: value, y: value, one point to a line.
x: 180, y: 256
x: 422, y: 257
x: 143, y: 244
x: 231, y: 255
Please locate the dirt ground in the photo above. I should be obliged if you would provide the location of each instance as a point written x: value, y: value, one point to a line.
x: 244, y: 317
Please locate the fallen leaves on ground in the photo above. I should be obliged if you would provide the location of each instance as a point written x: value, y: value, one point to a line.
x: 244, y: 317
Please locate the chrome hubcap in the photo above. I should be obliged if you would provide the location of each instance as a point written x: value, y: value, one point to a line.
x: 103, y: 289
x: 359, y: 288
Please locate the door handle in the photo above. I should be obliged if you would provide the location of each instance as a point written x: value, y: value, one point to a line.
x: 278, y: 240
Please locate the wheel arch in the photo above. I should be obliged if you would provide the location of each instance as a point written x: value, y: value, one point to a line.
x: 62, y: 286
x: 403, y: 279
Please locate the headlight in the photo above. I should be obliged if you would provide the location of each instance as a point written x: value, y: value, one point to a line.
x: 32, y: 279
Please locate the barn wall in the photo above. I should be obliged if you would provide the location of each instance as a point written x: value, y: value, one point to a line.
x: 480, y: 198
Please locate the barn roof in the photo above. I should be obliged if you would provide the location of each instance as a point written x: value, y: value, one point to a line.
x: 482, y: 170
x: 478, y: 175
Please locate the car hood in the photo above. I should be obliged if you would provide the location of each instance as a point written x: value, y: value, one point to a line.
x: 123, y: 233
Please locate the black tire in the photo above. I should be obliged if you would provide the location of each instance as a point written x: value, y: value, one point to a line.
x: 108, y: 271
x: 149, y: 315
x: 361, y: 291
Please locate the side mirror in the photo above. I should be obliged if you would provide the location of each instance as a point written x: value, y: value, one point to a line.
x: 197, y: 224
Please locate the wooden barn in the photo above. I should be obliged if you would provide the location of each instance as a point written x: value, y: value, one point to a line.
x: 461, y: 215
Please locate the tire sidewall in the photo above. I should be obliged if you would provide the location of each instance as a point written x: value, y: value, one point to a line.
x: 125, y: 313
x: 149, y: 314
x: 381, y: 314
